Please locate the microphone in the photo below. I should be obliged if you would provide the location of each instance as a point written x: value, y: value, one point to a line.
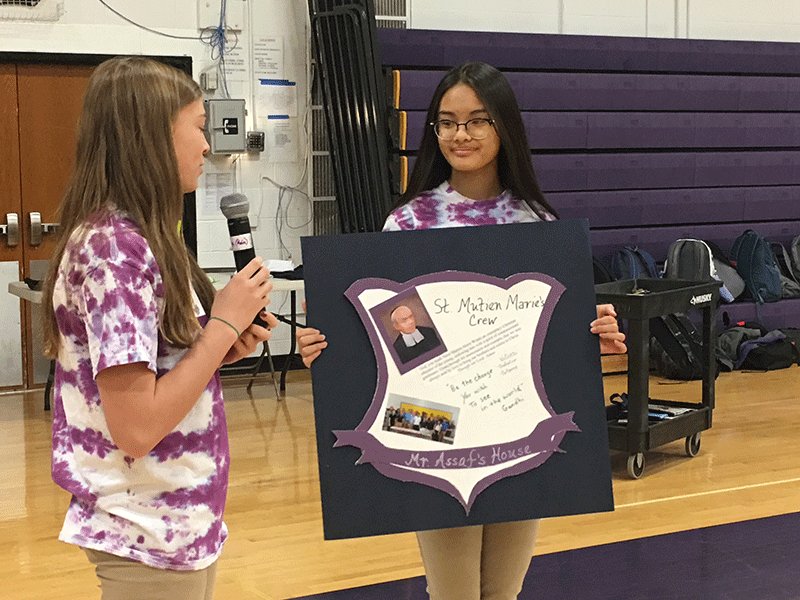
x: 235, y: 208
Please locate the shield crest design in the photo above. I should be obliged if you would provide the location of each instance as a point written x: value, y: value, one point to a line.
x: 459, y: 401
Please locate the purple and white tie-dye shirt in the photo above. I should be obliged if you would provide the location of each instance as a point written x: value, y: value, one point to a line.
x: 164, y: 509
x: 445, y: 207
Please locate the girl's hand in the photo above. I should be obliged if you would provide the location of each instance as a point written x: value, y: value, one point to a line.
x: 310, y: 342
x: 244, y: 296
x: 251, y: 338
x: 612, y: 340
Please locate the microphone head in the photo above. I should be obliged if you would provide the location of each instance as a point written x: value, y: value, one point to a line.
x: 234, y: 206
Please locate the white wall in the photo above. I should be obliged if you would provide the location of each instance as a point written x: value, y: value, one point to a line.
x: 764, y: 20
x: 88, y: 27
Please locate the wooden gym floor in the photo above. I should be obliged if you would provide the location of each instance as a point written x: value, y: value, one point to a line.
x: 748, y: 468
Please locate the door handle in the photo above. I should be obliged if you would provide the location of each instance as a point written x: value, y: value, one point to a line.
x: 11, y: 229
x: 38, y: 228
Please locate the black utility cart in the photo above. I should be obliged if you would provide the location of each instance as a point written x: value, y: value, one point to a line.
x: 637, y: 301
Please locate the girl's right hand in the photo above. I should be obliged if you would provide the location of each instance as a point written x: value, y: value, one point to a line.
x: 244, y: 295
x: 310, y: 342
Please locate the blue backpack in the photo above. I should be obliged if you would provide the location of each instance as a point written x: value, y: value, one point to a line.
x: 632, y: 263
x: 753, y: 259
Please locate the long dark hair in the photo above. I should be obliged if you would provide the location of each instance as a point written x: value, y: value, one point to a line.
x: 514, y: 166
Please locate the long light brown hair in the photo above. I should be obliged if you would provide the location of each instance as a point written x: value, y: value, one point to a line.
x: 125, y: 158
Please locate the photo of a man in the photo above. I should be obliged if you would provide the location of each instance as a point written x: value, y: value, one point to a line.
x: 412, y: 340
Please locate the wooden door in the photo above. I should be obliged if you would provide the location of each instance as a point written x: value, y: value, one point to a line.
x: 50, y: 98
x: 39, y: 109
x: 11, y: 367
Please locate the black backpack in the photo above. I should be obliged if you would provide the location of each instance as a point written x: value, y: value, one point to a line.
x: 767, y: 353
x: 676, y: 347
x: 752, y: 257
x: 632, y: 263
x: 693, y: 260
x: 601, y: 272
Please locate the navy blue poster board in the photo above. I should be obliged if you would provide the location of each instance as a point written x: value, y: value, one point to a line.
x: 357, y: 499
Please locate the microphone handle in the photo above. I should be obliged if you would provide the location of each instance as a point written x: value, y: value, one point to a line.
x: 241, y: 241
x: 243, y: 250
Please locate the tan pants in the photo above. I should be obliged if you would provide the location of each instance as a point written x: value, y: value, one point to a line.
x: 482, y: 562
x: 125, y: 579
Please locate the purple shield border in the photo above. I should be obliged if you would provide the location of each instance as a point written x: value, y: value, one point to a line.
x: 545, y: 438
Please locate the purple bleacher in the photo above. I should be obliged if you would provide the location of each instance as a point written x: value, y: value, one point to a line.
x: 626, y: 92
x: 640, y: 130
x: 772, y: 168
x: 522, y: 50
x: 764, y: 93
x: 416, y: 127
x: 772, y: 315
x: 771, y: 203
x: 561, y: 172
x: 649, y: 139
x: 771, y: 130
x: 551, y: 130
x: 720, y: 130
x: 720, y: 169
x: 793, y: 91
x: 425, y: 48
x: 603, y: 209
x: 552, y: 91
x: 693, y: 205
x: 578, y: 130
x: 709, y: 92
x: 640, y: 170
x: 417, y: 87
x: 648, y: 208
x: 747, y: 168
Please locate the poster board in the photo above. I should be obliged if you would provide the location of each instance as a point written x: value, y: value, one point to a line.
x: 506, y: 366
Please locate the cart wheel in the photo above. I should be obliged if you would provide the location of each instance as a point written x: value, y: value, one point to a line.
x: 636, y: 465
x: 693, y: 444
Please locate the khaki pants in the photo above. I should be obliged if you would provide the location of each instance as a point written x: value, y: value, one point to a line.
x: 481, y: 562
x: 125, y: 579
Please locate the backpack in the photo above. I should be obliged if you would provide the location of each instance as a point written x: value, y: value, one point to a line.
x: 676, y: 347
x: 632, y: 263
x: 793, y: 335
x: 752, y: 257
x: 767, y: 353
x: 693, y: 260
x: 794, y: 257
x: 601, y: 273
x: 789, y: 286
x: 726, y: 272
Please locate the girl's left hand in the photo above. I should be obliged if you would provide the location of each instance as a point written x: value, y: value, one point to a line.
x: 612, y: 340
x: 251, y: 338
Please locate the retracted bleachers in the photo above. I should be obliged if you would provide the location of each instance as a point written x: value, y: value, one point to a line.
x: 649, y: 139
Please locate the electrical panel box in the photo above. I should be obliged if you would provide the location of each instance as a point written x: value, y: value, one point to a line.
x: 225, y: 125
x: 208, y: 14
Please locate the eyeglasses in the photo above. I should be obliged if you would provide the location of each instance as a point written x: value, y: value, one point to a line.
x: 477, y: 129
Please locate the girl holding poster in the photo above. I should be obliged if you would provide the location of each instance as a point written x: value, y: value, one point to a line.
x: 473, y: 168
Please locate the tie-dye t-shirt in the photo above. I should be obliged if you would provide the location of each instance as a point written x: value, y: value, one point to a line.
x: 445, y: 207
x: 164, y: 509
